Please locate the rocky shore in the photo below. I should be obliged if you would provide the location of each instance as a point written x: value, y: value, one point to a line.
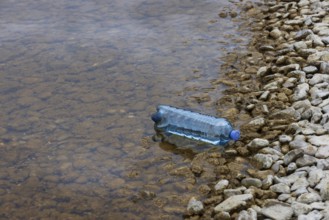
x: 279, y: 97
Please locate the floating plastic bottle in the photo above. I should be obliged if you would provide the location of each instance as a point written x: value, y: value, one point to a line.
x: 174, y: 121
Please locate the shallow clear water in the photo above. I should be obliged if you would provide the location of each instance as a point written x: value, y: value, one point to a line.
x: 78, y: 82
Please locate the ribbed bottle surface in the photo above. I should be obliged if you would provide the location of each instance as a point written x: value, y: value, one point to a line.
x: 193, y: 125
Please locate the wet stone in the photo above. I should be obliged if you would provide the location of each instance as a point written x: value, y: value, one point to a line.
x: 221, y: 185
x: 233, y: 202
x: 247, y: 182
x: 194, y: 206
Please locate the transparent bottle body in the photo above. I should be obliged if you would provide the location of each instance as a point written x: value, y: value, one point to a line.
x: 193, y: 125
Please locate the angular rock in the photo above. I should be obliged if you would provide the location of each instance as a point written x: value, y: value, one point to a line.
x: 309, y: 198
x: 280, y: 188
x: 310, y: 69
x: 306, y: 160
x: 298, y: 142
x: 303, y: 34
x: 250, y: 214
x: 301, y: 92
x: 280, y: 211
x: 265, y: 161
x: 314, y: 215
x: 221, y: 185
x: 233, y: 202
x: 324, y: 188
x: 290, y: 179
x: 323, y: 152
x: 299, y: 183
x: 292, y: 156
x: 300, y: 208
x: 194, y: 206
x: 314, y: 176
x: 322, y: 140
x: 319, y: 78
x: 285, y: 138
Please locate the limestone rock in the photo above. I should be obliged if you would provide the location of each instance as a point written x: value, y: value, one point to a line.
x: 280, y: 211
x: 233, y: 202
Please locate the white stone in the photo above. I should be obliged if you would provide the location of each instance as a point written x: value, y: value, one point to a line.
x: 300, y: 183
x: 309, y: 198
x: 323, y: 152
x: 258, y: 143
x: 278, y: 211
x: 314, y: 215
x: 264, y: 160
x: 300, y: 208
x: 194, y: 206
x: 319, y: 140
x: 233, y: 202
x: 314, y: 176
x: 280, y: 188
x: 250, y: 214
x: 221, y: 185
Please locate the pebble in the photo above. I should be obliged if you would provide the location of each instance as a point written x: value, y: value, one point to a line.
x: 249, y: 214
x: 257, y: 144
x: 314, y: 176
x: 264, y: 160
x: 300, y: 208
x: 247, y: 182
x: 292, y: 156
x: 299, y: 183
x: 319, y: 140
x: 314, y: 215
x: 233, y: 202
x: 221, y: 185
x: 309, y: 198
x: 306, y: 160
x: 278, y: 211
x: 301, y: 91
x: 194, y: 206
x: 324, y: 188
x: 310, y: 69
x: 285, y: 138
x: 322, y: 152
x: 280, y: 188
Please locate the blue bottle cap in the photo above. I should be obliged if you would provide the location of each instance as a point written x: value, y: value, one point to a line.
x: 156, y: 117
x: 235, y: 135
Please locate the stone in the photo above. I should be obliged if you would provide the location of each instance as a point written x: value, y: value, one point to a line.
x: 280, y: 188
x: 275, y: 33
x: 300, y: 45
x: 306, y: 160
x: 300, y: 208
x: 285, y: 138
x: 314, y: 215
x: 322, y: 152
x: 302, y: 34
x: 322, y: 140
x: 264, y: 160
x: 257, y: 144
x: 288, y: 68
x: 221, y: 185
x: 292, y: 156
x: 194, y: 206
x: 307, y: 52
x: 223, y: 216
x: 284, y: 197
x: 299, y: 183
x: 249, y: 214
x: 301, y: 91
x: 298, y: 142
x: 324, y: 188
x: 309, y: 198
x: 267, y: 182
x: 318, y: 78
x: 323, y: 164
x: 279, y: 211
x: 324, y: 67
x: 314, y: 176
x: 247, y: 182
x: 233, y: 202
x: 291, y: 168
x: 310, y: 69
x: 262, y: 71
x: 290, y: 179
x: 232, y: 192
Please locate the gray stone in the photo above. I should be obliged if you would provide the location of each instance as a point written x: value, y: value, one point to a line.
x: 314, y: 176
x: 319, y: 205
x: 314, y: 215
x: 325, y: 40
x: 317, y: 41
x: 324, y: 188
x: 247, y: 182
x: 288, y: 68
x: 290, y: 179
x: 323, y: 152
x: 300, y: 45
x: 280, y: 188
x: 278, y: 211
x: 223, y: 216
x: 318, y: 78
x: 298, y: 142
x: 323, y: 164
x: 264, y: 95
x: 292, y: 156
x: 267, y: 182
x: 264, y: 160
x: 322, y: 140
x: 284, y: 197
x: 306, y: 160
x: 299, y: 183
x: 258, y: 143
x: 291, y: 168
x: 288, y: 113
x: 309, y: 198
x: 301, y: 92
x: 232, y: 192
x: 324, y: 67
x: 262, y: 71
x: 299, y: 192
x: 233, y: 202
x: 194, y: 206
x: 250, y: 214
x: 303, y: 34
x: 221, y: 185
x: 285, y: 138
x: 310, y: 69
x: 318, y: 56
x: 300, y: 208
x: 324, y: 32
x: 307, y: 52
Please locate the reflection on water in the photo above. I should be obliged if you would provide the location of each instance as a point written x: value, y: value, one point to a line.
x: 79, y: 80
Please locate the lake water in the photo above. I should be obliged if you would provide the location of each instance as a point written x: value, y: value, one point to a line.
x: 78, y: 82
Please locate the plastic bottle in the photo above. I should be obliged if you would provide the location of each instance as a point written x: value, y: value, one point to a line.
x: 170, y: 120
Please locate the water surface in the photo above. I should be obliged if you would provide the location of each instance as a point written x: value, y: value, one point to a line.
x: 78, y: 82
